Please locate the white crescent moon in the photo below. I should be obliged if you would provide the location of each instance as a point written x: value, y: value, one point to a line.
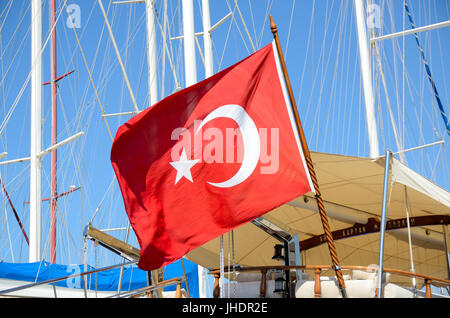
x: 250, y: 138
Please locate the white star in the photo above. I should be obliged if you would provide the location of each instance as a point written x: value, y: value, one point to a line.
x: 184, y: 166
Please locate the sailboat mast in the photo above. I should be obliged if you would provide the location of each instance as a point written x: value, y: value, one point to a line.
x: 190, y: 65
x: 54, y: 135
x: 209, y: 71
x: 190, y: 68
x: 366, y: 74
x: 35, y: 140
x: 151, y: 51
x: 207, y: 40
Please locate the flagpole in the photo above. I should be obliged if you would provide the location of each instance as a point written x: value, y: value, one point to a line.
x: 320, y: 206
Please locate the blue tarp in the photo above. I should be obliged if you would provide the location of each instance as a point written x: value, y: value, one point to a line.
x: 133, y: 277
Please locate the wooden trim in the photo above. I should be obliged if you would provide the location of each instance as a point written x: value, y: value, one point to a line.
x: 263, y: 286
x: 434, y: 280
x: 113, y: 244
x: 149, y: 290
x: 427, y: 288
x: 373, y: 226
x: 178, y: 291
x: 216, y: 288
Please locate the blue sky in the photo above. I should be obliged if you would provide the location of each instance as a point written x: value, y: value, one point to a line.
x: 320, y: 44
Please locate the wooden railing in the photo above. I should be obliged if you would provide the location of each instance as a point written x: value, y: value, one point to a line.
x: 148, y: 291
x: 428, y: 280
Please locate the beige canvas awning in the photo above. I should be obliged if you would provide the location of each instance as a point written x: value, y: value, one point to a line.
x: 352, y: 189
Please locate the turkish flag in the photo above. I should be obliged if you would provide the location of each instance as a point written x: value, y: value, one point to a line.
x: 209, y: 158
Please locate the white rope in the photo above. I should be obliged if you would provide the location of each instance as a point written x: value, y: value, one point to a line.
x: 263, y: 27
x: 388, y: 101
x: 104, y: 196
x: 16, y: 101
x: 252, y: 18
x: 17, y: 48
x: 90, y: 74
x: 289, y: 30
x: 237, y: 25
x: 234, y: 263
x: 166, y: 48
x: 222, y: 272
x: 245, y: 26
x: 118, y: 56
x: 226, y: 43
x: 307, y: 50
x: 229, y: 265
x: 7, y: 13
x: 330, y: 115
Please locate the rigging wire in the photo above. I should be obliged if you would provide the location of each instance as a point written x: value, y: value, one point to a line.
x: 411, y: 89
x: 6, y: 8
x: 245, y: 26
x: 289, y: 29
x: 18, y: 97
x: 118, y: 56
x: 221, y: 266
x: 266, y: 16
x: 166, y: 49
x: 388, y: 101
x: 233, y: 19
x: 226, y: 43
x: 428, y: 70
x: 252, y: 19
x: 90, y: 74
x: 104, y: 196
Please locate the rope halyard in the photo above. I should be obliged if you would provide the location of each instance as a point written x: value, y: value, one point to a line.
x: 326, y: 227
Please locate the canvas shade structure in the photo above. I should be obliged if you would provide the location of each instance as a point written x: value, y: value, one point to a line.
x: 352, y: 189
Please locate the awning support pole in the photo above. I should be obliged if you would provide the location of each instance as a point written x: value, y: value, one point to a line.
x: 383, y: 222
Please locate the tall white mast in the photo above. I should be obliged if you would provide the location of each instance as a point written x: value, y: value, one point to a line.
x: 190, y: 65
x: 190, y: 68
x: 35, y: 141
x: 207, y: 40
x: 366, y: 74
x: 151, y: 51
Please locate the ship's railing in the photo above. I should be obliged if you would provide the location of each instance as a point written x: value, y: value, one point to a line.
x: 148, y: 290
x: 428, y: 280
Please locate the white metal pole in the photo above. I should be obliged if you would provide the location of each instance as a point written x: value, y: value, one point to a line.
x: 190, y: 65
x: 191, y: 76
x: 367, y: 78
x: 412, y: 31
x: 447, y: 254
x: 383, y: 222
x: 151, y: 51
x: 35, y: 141
x: 207, y: 40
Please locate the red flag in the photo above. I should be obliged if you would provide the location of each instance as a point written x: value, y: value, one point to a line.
x: 209, y: 158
